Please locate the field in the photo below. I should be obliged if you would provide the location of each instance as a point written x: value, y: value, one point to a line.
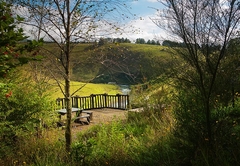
x: 85, y: 89
x: 123, y: 63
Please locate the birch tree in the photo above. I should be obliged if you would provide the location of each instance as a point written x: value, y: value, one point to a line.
x: 205, y: 28
x: 65, y: 23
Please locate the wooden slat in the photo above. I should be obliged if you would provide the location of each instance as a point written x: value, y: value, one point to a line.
x: 96, y: 101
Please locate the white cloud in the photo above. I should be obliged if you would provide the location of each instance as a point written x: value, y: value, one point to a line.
x: 144, y: 28
x: 152, y: 0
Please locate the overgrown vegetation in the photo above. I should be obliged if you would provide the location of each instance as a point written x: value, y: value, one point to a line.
x: 129, y: 142
x: 190, y: 114
x: 23, y: 111
x: 150, y: 137
x: 170, y: 130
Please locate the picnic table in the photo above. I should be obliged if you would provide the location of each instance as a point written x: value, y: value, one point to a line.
x: 80, y: 114
x: 64, y: 111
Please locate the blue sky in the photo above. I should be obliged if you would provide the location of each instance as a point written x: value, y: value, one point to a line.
x: 145, y: 7
x: 147, y: 29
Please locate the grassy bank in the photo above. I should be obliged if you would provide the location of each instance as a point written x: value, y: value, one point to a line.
x: 153, y: 137
x: 84, y: 89
x: 135, y: 141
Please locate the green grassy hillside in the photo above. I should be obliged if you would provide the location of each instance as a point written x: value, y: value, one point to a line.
x: 138, y: 63
x: 123, y: 63
x: 86, y: 90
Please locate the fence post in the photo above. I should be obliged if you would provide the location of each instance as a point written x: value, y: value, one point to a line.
x: 127, y: 104
x: 105, y: 100
x: 119, y: 101
x: 75, y: 101
x: 92, y: 101
x: 58, y: 101
x: 97, y: 101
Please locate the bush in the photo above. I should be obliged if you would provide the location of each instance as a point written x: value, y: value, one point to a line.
x: 142, y: 139
x: 191, y: 141
x: 23, y: 111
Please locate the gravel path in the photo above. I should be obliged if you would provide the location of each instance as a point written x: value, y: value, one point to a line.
x: 101, y: 116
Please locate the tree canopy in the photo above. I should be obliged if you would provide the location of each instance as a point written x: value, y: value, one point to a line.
x: 13, y: 45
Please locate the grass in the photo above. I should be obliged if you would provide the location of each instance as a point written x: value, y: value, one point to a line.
x: 138, y: 140
x: 155, y: 50
x: 145, y: 138
x: 85, y: 89
x: 138, y: 60
x: 135, y: 141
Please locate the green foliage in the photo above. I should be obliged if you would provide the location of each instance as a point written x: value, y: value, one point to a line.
x: 143, y: 139
x: 101, y: 42
x: 11, y: 50
x: 151, y: 137
x: 45, y: 150
x: 140, y: 41
x: 23, y: 111
x: 197, y: 115
x: 81, y: 150
x: 191, y: 139
x: 169, y: 43
x: 153, y: 93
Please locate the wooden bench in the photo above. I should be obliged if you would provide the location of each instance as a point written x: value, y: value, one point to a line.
x: 80, y: 114
x: 89, y: 113
x: 78, y: 119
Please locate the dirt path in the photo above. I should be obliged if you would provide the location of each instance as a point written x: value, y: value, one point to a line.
x: 101, y: 116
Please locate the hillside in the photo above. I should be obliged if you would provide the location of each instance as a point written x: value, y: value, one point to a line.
x: 122, y: 63
x: 136, y: 63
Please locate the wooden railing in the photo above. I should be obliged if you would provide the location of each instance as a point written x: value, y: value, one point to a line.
x: 96, y: 101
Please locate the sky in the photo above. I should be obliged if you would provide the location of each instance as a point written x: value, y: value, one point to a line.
x: 145, y: 28
x: 144, y: 10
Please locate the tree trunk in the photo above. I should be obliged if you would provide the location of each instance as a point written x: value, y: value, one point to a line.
x: 208, y: 122
x: 68, y: 131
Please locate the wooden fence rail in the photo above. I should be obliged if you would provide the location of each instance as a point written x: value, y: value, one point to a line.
x: 96, y: 101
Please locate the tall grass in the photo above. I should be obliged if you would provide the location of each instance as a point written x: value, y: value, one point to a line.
x: 144, y: 138
x: 150, y: 137
x: 141, y: 139
x: 34, y: 150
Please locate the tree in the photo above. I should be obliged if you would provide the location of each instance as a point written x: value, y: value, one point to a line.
x: 126, y: 40
x: 140, y: 41
x: 102, y: 41
x: 205, y: 28
x: 148, y: 42
x: 171, y: 43
x: 13, y: 51
x: 20, y: 107
x: 153, y: 42
x: 67, y: 22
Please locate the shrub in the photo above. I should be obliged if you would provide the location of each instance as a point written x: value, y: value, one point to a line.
x: 23, y: 111
x: 191, y: 141
x: 142, y: 139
